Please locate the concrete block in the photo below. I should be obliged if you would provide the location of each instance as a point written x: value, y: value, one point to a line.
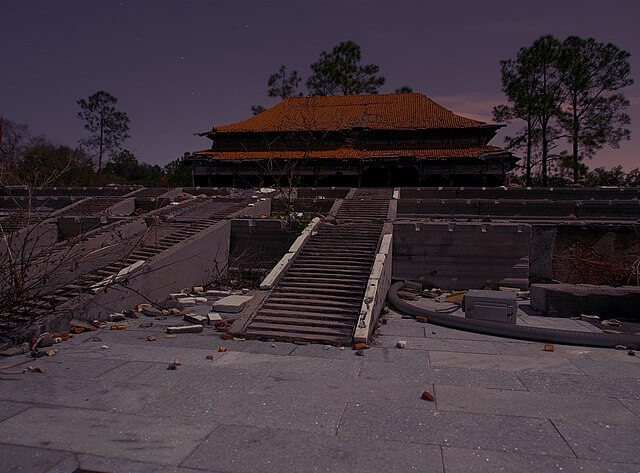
x: 569, y: 300
x: 232, y: 304
x: 185, y: 329
x: 196, y: 319
x: 187, y: 301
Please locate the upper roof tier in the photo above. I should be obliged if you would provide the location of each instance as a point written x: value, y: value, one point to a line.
x: 410, y: 111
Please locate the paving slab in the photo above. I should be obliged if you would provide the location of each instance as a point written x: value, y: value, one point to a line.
x: 632, y: 404
x: 456, y: 429
x: 349, y: 390
x: 567, y: 351
x: 69, y: 365
x: 532, y: 404
x: 618, y: 387
x: 124, y: 436
x: 101, y: 395
x: 423, y: 373
x: 408, y: 328
x: 549, y: 363
x: 460, y: 346
x: 246, y: 449
x: 10, y: 408
x: 610, y: 368
x: 113, y: 465
x: 464, y: 460
x: 601, y: 441
x: 17, y: 458
x: 506, y: 400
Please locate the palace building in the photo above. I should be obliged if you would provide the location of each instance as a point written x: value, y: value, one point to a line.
x: 356, y: 140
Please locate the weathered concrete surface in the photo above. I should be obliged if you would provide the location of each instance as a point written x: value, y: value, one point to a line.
x: 535, y: 193
x: 500, y: 405
x: 192, y: 262
x: 280, y: 267
x: 377, y: 287
x: 568, y: 300
x: 541, y: 252
x: 259, y: 242
x: 462, y: 255
x: 232, y: 304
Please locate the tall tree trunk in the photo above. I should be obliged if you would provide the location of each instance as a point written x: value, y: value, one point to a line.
x: 101, y: 140
x: 545, y: 153
x: 574, y: 131
x: 529, y: 146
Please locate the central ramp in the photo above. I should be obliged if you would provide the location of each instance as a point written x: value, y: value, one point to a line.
x: 319, y: 296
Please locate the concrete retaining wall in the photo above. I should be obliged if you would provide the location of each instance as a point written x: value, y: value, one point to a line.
x: 462, y: 255
x: 259, y: 243
x: 192, y: 262
x: 569, y: 300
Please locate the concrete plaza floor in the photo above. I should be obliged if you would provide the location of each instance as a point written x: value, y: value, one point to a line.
x: 500, y: 405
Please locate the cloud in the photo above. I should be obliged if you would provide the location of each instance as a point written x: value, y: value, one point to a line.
x: 475, y: 106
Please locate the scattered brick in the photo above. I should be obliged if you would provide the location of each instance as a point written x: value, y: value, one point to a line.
x: 427, y: 396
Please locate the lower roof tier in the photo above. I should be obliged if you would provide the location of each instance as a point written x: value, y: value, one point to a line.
x: 436, y: 152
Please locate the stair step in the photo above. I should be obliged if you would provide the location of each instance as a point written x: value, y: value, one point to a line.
x: 306, y: 322
x: 336, y: 332
x: 302, y: 314
x: 316, y: 309
x: 274, y: 298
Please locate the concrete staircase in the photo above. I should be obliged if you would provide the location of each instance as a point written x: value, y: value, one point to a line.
x: 319, y: 296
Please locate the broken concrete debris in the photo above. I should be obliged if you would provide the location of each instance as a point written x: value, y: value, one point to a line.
x: 231, y: 304
x: 611, y: 323
x: 184, y: 329
x: 401, y: 344
x: 117, y: 317
x: 187, y: 301
x: 151, y: 311
x: 196, y: 319
x: 79, y: 326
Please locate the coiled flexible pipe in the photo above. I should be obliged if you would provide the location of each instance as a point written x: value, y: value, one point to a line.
x: 536, y: 334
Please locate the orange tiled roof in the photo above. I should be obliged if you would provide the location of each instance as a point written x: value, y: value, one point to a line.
x: 355, y: 153
x: 384, y: 111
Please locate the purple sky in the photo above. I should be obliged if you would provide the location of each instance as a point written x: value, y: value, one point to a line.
x: 179, y: 67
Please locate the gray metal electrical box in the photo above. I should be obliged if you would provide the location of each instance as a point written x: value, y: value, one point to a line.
x: 494, y: 306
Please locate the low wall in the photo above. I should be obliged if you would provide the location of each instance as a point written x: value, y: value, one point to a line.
x: 552, y: 193
x: 377, y: 287
x: 327, y: 192
x: 462, y: 255
x: 529, y: 208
